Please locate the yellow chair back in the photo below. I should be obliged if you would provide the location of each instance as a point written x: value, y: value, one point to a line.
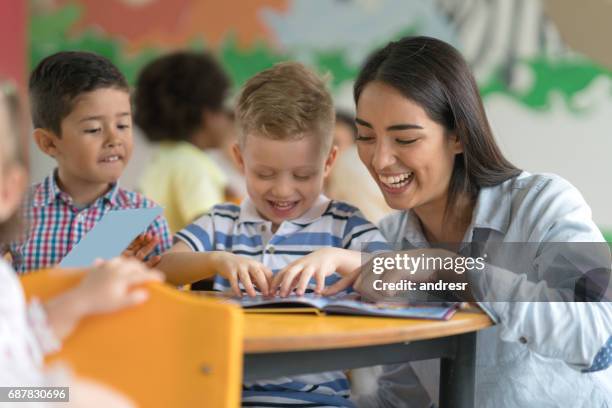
x: 175, y: 350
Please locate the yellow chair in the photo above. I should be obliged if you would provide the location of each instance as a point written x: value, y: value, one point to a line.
x: 176, y: 350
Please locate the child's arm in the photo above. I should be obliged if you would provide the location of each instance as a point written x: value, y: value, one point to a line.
x: 320, y: 264
x: 107, y: 287
x: 183, y: 266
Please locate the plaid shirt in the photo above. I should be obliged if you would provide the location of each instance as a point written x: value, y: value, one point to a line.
x: 55, y: 225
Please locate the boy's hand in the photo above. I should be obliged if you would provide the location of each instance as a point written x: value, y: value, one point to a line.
x: 236, y: 269
x: 109, y: 285
x: 141, y: 247
x: 297, y: 274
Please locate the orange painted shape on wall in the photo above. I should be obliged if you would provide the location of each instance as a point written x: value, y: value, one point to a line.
x: 173, y: 23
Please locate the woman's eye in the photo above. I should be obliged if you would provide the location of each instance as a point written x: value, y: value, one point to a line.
x: 405, y: 141
x: 93, y: 130
x: 265, y: 176
x: 302, y: 177
x: 122, y: 127
x: 362, y: 138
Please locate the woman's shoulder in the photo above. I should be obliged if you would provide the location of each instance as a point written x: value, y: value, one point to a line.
x: 537, y: 188
x: 538, y: 207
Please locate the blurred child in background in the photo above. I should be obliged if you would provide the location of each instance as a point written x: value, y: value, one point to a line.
x: 367, y: 197
x: 179, y: 103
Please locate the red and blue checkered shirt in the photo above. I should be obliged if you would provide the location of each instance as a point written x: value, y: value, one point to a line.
x: 54, y: 225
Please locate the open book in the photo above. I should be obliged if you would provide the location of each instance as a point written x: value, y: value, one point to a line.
x: 348, y: 305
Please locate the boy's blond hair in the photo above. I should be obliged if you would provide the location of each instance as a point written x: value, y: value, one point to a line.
x: 286, y: 102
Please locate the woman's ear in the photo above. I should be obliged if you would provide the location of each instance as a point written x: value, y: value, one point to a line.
x: 46, y: 141
x: 330, y: 160
x: 237, y: 156
x: 456, y: 144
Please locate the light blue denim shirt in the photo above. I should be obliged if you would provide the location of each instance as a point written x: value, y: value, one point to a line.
x: 535, y: 354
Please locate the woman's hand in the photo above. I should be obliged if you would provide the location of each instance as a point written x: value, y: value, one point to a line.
x: 318, y: 264
x: 236, y: 269
x: 363, y: 279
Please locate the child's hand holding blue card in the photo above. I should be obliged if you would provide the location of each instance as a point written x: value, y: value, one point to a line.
x: 110, y: 236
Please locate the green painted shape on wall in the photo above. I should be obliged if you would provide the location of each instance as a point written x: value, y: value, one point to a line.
x: 566, y: 77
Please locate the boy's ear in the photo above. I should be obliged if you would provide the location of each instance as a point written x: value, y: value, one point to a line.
x: 331, y: 159
x: 237, y: 155
x: 46, y: 141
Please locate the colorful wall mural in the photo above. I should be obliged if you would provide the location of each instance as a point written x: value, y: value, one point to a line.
x: 550, y: 107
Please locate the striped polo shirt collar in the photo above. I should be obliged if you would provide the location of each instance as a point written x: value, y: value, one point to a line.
x: 249, y: 213
x: 49, y: 191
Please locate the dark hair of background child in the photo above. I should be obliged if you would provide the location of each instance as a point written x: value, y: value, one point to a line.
x: 172, y: 93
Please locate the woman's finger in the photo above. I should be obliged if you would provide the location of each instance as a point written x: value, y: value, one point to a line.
x: 342, y: 284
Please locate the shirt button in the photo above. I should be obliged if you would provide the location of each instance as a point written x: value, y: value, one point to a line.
x: 271, y: 249
x: 263, y: 228
x: 523, y: 340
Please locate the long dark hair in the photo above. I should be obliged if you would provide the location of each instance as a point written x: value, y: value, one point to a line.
x: 433, y: 74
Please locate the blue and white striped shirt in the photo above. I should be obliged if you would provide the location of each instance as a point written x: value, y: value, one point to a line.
x: 242, y: 231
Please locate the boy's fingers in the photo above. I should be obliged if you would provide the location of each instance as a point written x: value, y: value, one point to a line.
x: 320, y: 282
x: 287, y: 283
x: 243, y: 274
x: 146, y: 249
x: 260, y: 279
x: 304, y: 280
x: 153, y: 261
x: 277, y: 279
x: 268, y: 274
x: 233, y: 280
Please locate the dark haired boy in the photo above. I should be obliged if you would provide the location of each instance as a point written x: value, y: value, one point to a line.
x: 82, y: 118
x: 179, y: 103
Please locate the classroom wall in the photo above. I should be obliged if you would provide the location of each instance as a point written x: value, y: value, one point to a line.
x: 550, y: 107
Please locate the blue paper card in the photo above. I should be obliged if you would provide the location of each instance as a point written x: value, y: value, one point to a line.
x: 110, y: 236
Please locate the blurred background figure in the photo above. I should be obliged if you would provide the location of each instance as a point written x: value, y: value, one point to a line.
x: 222, y: 156
x: 345, y: 131
x: 349, y: 180
x: 179, y: 104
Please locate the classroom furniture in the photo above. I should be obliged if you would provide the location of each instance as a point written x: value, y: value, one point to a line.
x: 175, y: 350
x: 285, y: 345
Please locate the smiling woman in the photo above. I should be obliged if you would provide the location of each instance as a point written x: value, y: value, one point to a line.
x: 425, y: 139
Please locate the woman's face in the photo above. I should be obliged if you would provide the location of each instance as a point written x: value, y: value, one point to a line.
x: 409, y: 155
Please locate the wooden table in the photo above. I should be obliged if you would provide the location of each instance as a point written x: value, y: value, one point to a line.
x: 286, y: 345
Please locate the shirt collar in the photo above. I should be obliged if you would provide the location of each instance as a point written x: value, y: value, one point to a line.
x: 49, y: 191
x: 249, y: 213
x: 493, y: 207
